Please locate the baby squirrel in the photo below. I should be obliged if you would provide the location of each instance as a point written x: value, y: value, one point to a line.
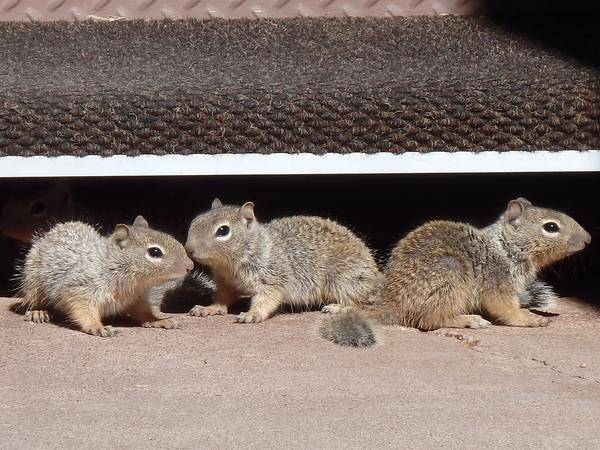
x: 35, y: 209
x: 445, y: 274
x: 298, y: 261
x: 74, y: 270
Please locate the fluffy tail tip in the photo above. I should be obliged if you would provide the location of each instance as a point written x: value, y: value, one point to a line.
x: 539, y: 296
x: 349, y: 328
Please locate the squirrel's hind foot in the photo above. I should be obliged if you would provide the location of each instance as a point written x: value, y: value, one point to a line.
x: 537, y: 321
x: 477, y: 322
x: 167, y: 324
x: 473, y: 321
x: 104, y: 331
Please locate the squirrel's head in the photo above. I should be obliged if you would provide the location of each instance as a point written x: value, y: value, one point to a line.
x: 34, y: 209
x: 220, y: 235
x: 548, y: 235
x: 155, y: 256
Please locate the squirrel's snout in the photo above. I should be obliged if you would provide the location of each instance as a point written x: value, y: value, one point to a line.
x: 188, y: 249
x: 183, y: 267
x: 579, y: 242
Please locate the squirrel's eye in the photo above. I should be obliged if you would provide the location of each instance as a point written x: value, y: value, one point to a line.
x: 222, y: 231
x: 155, y: 252
x: 37, y: 208
x: 551, y: 227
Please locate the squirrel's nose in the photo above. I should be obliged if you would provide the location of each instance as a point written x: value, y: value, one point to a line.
x: 188, y: 249
x: 587, y: 238
x: 189, y: 264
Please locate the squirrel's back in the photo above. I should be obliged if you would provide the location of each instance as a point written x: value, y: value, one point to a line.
x: 70, y: 254
x: 325, y: 258
x: 433, y: 257
x: 68, y: 240
x: 318, y: 245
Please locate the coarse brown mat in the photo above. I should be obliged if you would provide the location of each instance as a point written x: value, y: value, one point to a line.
x: 300, y: 85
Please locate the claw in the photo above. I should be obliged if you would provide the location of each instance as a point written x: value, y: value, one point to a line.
x: 37, y: 316
x: 106, y: 331
x: 205, y: 311
x: 248, y: 317
x: 167, y: 324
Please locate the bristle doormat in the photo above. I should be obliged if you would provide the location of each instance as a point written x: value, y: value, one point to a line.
x: 300, y: 85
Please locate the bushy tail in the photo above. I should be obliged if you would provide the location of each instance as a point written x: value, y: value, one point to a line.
x: 538, y: 296
x: 180, y: 295
x: 350, y: 328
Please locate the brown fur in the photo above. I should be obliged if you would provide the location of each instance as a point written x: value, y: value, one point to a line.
x: 447, y: 274
x: 297, y: 261
x: 74, y: 270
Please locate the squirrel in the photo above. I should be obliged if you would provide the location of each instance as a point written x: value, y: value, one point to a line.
x: 74, y: 270
x: 448, y: 274
x: 35, y: 209
x: 299, y: 261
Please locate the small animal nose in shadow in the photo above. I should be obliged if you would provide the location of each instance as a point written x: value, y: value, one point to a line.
x: 587, y: 238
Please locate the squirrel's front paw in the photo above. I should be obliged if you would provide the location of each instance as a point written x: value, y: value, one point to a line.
x: 477, y: 322
x: 335, y: 308
x: 249, y: 317
x: 38, y: 316
x: 168, y: 324
x: 205, y: 311
x: 106, y: 331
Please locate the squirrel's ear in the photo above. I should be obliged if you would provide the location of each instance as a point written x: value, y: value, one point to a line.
x: 216, y: 203
x: 121, y: 235
x: 515, y: 209
x: 523, y: 201
x: 140, y: 222
x: 247, y: 212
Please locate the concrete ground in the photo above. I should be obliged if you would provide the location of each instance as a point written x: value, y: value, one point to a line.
x: 215, y: 383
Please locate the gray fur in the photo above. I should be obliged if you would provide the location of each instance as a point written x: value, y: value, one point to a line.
x: 76, y: 271
x: 296, y: 261
x: 446, y: 274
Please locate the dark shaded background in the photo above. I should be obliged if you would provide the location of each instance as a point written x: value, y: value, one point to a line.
x: 380, y: 208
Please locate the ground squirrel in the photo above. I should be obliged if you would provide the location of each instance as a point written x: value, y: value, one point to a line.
x: 445, y: 274
x: 297, y: 261
x: 35, y: 209
x: 74, y: 270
